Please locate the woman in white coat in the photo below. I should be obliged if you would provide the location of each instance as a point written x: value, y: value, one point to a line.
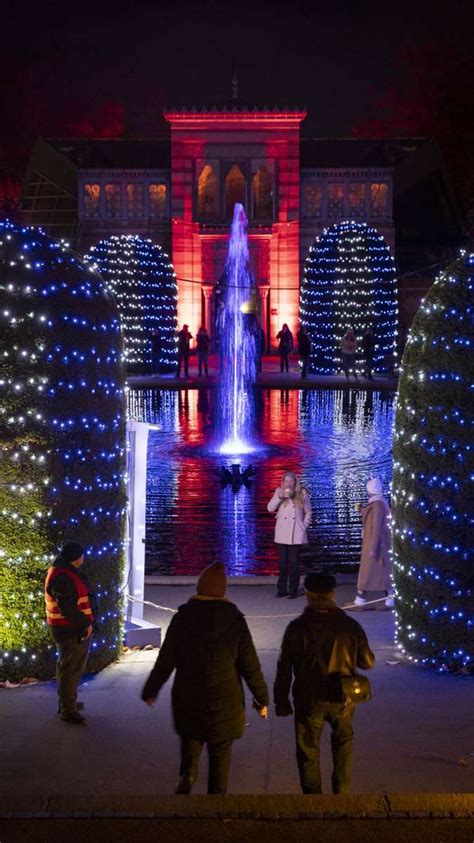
x: 293, y: 515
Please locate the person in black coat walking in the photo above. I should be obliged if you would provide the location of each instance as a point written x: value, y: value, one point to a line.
x: 323, y: 635
x: 208, y: 644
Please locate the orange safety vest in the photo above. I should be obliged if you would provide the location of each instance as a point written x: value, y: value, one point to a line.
x: 53, y: 612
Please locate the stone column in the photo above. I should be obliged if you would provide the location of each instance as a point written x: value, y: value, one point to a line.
x: 263, y: 290
x: 208, y: 290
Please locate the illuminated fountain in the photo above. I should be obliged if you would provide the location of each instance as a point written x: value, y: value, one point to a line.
x: 237, y: 328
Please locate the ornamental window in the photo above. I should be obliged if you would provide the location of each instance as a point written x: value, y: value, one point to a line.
x: 313, y: 200
x: 336, y: 200
x: 91, y: 197
x: 113, y: 200
x: 157, y: 200
x: 208, y: 196
x: 379, y: 199
x: 357, y: 200
x: 135, y: 200
x: 235, y: 189
x: 262, y: 194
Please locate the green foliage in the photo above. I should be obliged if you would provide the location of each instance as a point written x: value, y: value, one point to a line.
x: 432, y: 501
x: 62, y: 438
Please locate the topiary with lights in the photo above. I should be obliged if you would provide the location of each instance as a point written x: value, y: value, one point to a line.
x: 62, y: 437
x: 432, y: 498
x: 349, y: 282
x: 140, y: 276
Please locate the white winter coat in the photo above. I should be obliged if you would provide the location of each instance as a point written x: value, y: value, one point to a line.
x: 292, y: 519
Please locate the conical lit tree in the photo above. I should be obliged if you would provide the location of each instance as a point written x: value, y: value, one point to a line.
x: 62, y: 443
x: 433, y: 498
x: 139, y: 274
x: 349, y: 282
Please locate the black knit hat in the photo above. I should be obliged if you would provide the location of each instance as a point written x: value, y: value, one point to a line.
x: 320, y: 583
x: 70, y: 551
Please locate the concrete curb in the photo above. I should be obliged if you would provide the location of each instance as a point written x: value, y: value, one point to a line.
x: 267, y: 579
x: 274, y: 807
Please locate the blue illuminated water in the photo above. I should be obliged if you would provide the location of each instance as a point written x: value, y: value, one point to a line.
x: 234, y: 427
x: 335, y: 440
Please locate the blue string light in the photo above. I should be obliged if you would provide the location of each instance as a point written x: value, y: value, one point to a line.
x: 432, y: 496
x: 62, y: 419
x: 349, y: 282
x: 140, y: 276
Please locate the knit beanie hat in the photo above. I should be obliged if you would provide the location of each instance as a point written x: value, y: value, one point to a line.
x: 374, y: 486
x: 70, y: 551
x: 319, y: 583
x: 213, y: 581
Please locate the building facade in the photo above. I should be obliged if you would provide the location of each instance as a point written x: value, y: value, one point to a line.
x: 180, y: 193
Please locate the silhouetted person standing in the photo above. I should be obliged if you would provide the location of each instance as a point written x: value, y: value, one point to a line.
x: 285, y: 347
x: 348, y: 351
x: 368, y: 349
x: 70, y: 610
x: 184, y: 339
x: 304, y: 349
x: 203, y: 345
x: 322, y: 641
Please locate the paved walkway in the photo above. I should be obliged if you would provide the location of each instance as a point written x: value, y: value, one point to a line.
x: 270, y: 378
x: 417, y: 734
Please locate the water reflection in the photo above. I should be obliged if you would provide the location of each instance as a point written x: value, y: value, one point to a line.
x: 334, y: 439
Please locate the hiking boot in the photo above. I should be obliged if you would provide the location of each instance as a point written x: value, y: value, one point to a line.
x: 79, y: 707
x: 74, y: 718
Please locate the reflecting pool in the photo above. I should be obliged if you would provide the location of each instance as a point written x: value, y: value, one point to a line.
x: 335, y: 440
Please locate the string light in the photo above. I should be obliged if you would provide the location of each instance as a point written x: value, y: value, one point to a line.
x: 432, y: 497
x: 62, y: 418
x: 349, y: 282
x: 140, y: 276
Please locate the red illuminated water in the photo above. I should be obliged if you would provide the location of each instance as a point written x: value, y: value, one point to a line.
x: 335, y: 440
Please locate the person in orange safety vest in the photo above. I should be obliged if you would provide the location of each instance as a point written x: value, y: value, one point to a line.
x: 70, y: 614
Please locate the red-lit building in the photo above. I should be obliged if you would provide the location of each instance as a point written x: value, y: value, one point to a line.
x: 180, y: 192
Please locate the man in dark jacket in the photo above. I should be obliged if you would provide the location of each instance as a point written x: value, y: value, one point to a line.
x: 323, y: 632
x: 70, y: 613
x: 184, y: 338
x: 209, y: 645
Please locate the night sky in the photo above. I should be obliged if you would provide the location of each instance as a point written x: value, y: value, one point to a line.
x: 64, y: 64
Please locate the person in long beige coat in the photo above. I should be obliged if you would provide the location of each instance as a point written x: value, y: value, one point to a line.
x: 375, y: 560
x: 292, y: 505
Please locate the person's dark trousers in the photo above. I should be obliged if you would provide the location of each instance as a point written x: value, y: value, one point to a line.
x: 202, y: 359
x: 289, y: 577
x: 284, y: 362
x: 304, y: 366
x: 369, y: 365
x: 348, y: 362
x: 219, y: 763
x: 183, y: 357
x: 308, y: 731
x: 70, y: 666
